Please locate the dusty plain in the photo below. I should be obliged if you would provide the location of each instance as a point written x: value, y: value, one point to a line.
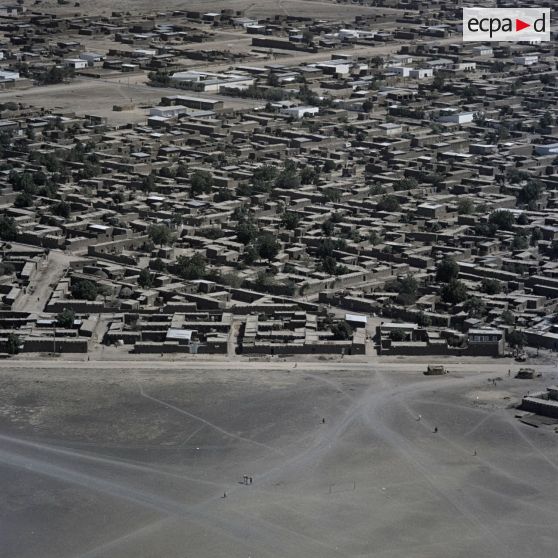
x: 327, y: 9
x: 125, y: 460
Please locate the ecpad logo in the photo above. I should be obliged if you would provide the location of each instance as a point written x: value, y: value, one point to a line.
x: 506, y: 24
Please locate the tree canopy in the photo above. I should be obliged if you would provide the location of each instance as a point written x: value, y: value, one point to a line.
x: 502, y: 219
x: 84, y: 289
x: 160, y: 234
x: 389, y: 203
x: 342, y: 330
x: 454, y: 292
x: 447, y: 270
x: 66, y: 318
x: 8, y: 228
x: 201, y: 182
x: 193, y: 267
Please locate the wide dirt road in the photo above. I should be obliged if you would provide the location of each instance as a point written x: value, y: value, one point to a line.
x: 95, y: 463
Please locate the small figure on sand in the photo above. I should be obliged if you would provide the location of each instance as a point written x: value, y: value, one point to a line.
x: 435, y: 429
x: 323, y: 420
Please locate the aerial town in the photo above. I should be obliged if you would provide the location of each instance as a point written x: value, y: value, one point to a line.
x: 213, y: 186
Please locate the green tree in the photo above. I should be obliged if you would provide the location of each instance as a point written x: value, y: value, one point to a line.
x: 231, y: 279
x: 454, y: 292
x: 342, y: 330
x: 167, y: 172
x: 159, y: 77
x: 22, y: 181
x: 438, y: 83
x: 328, y: 227
x: 329, y: 166
x: 406, y: 184
x: 367, y: 105
x: 536, y: 235
x: 84, y: 289
x: 388, y: 203
x: 447, y: 270
x: 268, y: 247
x: 516, y: 339
x: 66, y: 318
x: 374, y: 238
x: 308, y: 175
x: 515, y: 175
x: 289, y: 220
x: 250, y: 254
x: 406, y: 289
x: 531, y: 192
x: 397, y: 335
x: 376, y: 190
x: 54, y: 75
x: 465, y: 206
x: 522, y: 219
x: 508, y: 317
x: 193, y: 267
x: 331, y: 195
x: 502, y: 219
x: 264, y: 280
x: 308, y: 36
x: 145, y: 279
x: 273, y: 80
x: 13, y: 344
x: 148, y: 183
x: 246, y: 232
x: 288, y: 177
x: 202, y: 182
x: 520, y: 242
x: 546, y: 120
x: 62, y: 209
x: 182, y: 170
x: 158, y: 265
x: 263, y: 178
x: 423, y: 320
x: 89, y: 170
x: 23, y: 199
x: 491, y: 286
x: 160, y: 234
x: 475, y: 307
x: 8, y: 228
x: 329, y: 265
x: 470, y: 92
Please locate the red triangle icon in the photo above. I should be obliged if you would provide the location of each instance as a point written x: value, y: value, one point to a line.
x: 519, y: 25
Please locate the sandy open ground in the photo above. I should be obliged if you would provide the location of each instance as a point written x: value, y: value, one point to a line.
x: 97, y: 461
x: 90, y: 96
x: 327, y: 9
